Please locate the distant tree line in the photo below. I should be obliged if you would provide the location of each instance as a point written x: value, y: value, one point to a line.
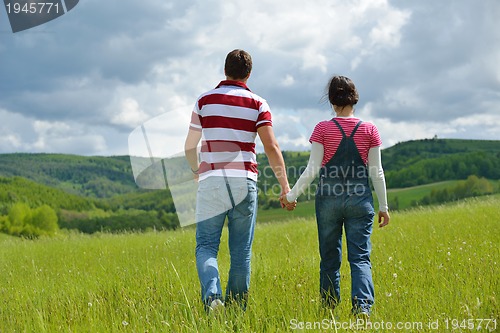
x: 93, y: 194
x: 472, y: 187
x: 24, y: 204
x: 123, y: 221
x: 452, y: 167
x: 27, y: 222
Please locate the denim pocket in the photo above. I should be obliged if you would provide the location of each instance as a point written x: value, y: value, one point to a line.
x: 245, y: 199
x: 212, y: 198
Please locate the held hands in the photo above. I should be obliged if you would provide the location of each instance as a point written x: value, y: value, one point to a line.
x: 287, y: 204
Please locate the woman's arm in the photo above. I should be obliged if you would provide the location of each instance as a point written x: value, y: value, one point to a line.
x: 309, y: 174
x: 376, y: 173
x: 378, y: 180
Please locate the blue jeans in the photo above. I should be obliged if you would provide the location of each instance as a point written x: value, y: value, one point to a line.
x: 214, y: 197
x: 354, y: 212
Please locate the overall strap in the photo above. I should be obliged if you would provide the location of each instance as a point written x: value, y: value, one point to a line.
x: 355, y: 129
x: 342, y: 130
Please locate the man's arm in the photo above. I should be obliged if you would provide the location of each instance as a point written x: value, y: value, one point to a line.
x: 191, y: 149
x: 273, y: 152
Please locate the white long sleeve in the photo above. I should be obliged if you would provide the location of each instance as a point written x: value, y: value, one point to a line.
x: 309, y: 174
x: 376, y: 173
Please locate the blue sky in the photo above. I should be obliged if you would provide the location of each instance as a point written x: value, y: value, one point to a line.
x: 82, y: 83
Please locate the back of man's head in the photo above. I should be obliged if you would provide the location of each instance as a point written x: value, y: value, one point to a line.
x: 238, y: 65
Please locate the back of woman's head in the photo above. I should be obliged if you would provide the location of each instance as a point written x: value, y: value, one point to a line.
x: 342, y: 91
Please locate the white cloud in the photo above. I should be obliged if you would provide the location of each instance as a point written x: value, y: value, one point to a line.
x: 14, y: 129
x: 22, y: 134
x: 387, y: 32
x: 130, y: 114
x: 486, y: 126
x: 160, y: 137
x: 62, y: 137
x: 97, y: 73
x: 394, y: 132
x: 10, y: 142
x: 404, y: 98
x: 288, y: 80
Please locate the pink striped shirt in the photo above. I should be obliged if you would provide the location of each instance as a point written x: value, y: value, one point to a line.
x: 328, y: 134
x: 228, y: 117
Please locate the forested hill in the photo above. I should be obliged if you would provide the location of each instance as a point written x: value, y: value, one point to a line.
x: 427, y: 161
x: 421, y: 162
x: 99, y: 193
x: 407, y: 153
x: 94, y: 176
x: 406, y: 164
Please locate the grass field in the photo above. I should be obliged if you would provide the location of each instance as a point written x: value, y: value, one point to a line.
x: 435, y: 270
x: 407, y: 195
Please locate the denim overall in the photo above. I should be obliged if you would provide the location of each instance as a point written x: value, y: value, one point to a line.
x: 344, y: 198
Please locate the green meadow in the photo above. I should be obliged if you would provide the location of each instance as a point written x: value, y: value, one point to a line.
x: 436, y: 269
x: 405, y: 196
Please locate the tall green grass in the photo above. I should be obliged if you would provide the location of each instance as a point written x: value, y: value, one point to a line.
x: 430, y: 266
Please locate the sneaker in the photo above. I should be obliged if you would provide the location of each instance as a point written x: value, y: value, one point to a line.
x: 216, y: 306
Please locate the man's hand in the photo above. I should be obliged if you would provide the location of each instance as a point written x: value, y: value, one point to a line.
x: 287, y: 204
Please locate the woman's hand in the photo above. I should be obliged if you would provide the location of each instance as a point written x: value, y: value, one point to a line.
x: 383, y: 219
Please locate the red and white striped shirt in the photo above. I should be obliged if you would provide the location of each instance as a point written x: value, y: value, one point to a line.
x: 228, y: 117
x: 329, y: 135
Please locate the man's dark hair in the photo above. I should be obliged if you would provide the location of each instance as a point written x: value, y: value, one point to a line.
x: 238, y: 64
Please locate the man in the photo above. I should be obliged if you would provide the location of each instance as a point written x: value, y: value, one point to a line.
x: 227, y: 119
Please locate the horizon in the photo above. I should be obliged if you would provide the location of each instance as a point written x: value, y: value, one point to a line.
x: 418, y: 66
x: 258, y: 153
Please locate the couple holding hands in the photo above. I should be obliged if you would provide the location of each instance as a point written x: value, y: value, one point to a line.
x: 345, y: 154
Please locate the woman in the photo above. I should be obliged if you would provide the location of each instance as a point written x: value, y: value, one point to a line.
x: 345, y: 151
